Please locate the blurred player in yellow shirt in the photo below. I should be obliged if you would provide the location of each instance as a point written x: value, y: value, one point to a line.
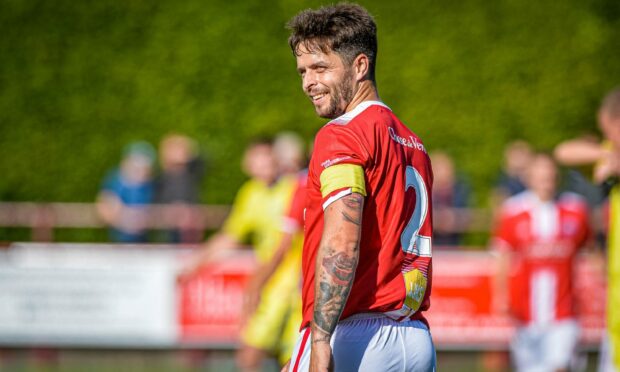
x: 606, y: 158
x: 257, y: 217
x: 281, y: 272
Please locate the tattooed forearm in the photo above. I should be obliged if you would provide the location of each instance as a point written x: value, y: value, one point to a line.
x: 336, y: 263
x: 340, y: 267
x: 334, y: 287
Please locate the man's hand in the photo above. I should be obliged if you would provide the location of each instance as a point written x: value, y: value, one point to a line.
x: 321, y: 357
x: 251, y: 299
x: 217, y: 247
x: 608, y: 166
x: 286, y: 366
x: 500, y: 305
x: 188, y: 270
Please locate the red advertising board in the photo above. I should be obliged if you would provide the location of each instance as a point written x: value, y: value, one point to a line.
x: 210, y: 303
x: 461, y: 313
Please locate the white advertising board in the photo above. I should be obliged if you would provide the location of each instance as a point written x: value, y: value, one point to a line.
x: 88, y: 295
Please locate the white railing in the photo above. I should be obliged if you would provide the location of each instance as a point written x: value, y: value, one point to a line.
x: 43, y: 218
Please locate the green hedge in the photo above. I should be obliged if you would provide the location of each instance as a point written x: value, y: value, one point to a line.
x: 80, y: 79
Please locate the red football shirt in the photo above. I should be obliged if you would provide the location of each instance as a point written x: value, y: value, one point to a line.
x: 544, y: 239
x: 294, y: 219
x: 394, y: 272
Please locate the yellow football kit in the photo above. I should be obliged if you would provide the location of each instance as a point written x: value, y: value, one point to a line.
x: 613, y: 271
x: 258, y: 213
x: 613, y: 275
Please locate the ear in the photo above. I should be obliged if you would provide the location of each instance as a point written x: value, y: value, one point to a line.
x: 361, y: 67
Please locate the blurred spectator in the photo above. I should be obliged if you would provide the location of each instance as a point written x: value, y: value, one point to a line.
x: 537, y: 237
x: 288, y: 149
x: 605, y: 157
x: 517, y: 156
x: 285, y: 262
x: 450, y: 198
x: 178, y: 186
x: 126, y: 192
x: 245, y: 223
x: 577, y: 183
x: 256, y: 217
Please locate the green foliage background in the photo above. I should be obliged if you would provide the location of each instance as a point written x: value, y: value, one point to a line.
x: 80, y: 79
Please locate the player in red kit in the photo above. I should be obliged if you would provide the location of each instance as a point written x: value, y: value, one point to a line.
x: 367, y: 245
x: 538, y: 236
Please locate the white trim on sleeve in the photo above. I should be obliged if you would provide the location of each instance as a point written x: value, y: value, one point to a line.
x: 337, y: 196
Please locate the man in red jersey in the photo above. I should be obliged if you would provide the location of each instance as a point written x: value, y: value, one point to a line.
x: 538, y: 235
x: 367, y: 245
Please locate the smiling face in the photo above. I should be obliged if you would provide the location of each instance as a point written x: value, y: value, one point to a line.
x: 326, y: 80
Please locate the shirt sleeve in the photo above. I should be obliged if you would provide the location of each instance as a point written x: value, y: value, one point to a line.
x: 341, y: 160
x: 503, y: 233
x: 294, y: 219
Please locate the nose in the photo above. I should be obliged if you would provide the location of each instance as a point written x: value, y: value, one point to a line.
x: 308, y: 81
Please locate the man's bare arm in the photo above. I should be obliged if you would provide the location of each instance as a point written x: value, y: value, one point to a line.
x: 578, y: 152
x: 336, y: 262
x: 109, y: 207
x: 213, y: 249
x: 500, y: 283
x: 265, y: 272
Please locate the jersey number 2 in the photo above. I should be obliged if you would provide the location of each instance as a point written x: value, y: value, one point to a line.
x: 411, y: 241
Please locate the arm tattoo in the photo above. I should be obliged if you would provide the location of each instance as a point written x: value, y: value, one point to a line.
x: 340, y: 266
x: 336, y: 263
x: 353, y: 206
x: 334, y: 286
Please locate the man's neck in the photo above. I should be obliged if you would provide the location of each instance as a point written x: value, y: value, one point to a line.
x: 366, y: 92
x: 543, y: 197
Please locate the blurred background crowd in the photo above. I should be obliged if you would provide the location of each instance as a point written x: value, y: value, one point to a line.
x: 172, y: 176
x: 135, y: 122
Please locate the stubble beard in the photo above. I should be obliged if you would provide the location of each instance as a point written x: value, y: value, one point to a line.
x: 340, y: 97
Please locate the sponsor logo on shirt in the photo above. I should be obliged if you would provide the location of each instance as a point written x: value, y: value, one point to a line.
x: 330, y: 162
x: 415, y: 285
x: 407, y: 142
x: 550, y: 249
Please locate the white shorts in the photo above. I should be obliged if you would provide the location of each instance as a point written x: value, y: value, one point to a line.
x: 373, y: 342
x: 606, y: 360
x: 545, y: 348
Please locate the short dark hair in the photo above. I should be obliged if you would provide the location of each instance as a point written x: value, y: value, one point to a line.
x: 260, y: 141
x: 347, y: 29
x: 611, y: 103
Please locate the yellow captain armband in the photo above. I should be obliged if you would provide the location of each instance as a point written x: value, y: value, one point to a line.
x: 342, y: 176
